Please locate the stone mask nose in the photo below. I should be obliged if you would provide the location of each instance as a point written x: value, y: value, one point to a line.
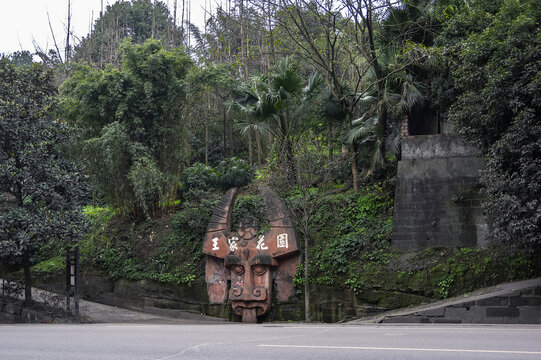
x: 249, y: 291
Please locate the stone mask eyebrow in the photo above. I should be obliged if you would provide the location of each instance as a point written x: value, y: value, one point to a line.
x: 264, y: 259
x: 231, y: 260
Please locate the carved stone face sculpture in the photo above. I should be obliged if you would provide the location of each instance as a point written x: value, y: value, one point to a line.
x: 250, y: 262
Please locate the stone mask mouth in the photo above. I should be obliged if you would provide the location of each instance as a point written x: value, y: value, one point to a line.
x: 240, y: 306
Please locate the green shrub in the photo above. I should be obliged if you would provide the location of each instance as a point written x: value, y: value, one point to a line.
x: 148, y: 183
x: 197, y: 179
x: 233, y: 172
x: 97, y: 237
x: 55, y: 265
x: 350, y: 227
x: 253, y: 206
x: 118, y: 260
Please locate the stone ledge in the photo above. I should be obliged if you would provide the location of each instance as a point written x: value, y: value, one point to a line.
x: 434, y: 146
x: 512, y: 303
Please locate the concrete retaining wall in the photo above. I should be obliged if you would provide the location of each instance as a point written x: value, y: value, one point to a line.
x: 437, y: 202
x: 13, y: 311
x: 328, y: 304
x: 517, y: 303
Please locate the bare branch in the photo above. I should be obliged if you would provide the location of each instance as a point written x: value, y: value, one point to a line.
x: 54, y: 39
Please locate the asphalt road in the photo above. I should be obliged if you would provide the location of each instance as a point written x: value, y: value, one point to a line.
x: 268, y: 341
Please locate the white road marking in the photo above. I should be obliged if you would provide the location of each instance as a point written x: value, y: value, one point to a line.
x: 405, y: 349
x: 191, y: 348
x: 133, y: 326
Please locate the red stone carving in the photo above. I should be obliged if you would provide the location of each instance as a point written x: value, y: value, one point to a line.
x: 249, y: 261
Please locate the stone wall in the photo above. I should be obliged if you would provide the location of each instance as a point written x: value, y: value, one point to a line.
x: 508, y: 306
x: 12, y: 311
x: 437, y: 202
x: 328, y: 304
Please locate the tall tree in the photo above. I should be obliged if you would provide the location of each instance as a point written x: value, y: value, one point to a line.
x: 19, y: 58
x: 400, y: 93
x: 496, y: 75
x: 41, y: 191
x: 138, y: 19
x: 282, y: 103
x: 323, y: 34
x: 210, y: 87
x: 236, y: 35
x: 132, y: 120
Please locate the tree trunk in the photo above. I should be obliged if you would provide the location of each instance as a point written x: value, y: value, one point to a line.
x: 373, y: 59
x: 229, y: 133
x: 225, y: 133
x: 67, y: 56
x: 288, y: 161
x: 259, y: 148
x: 182, y: 21
x: 250, y: 148
x: 101, y: 39
x: 242, y: 43
x: 154, y: 20
x: 273, y: 51
x: 353, y: 150
x: 27, y: 279
x: 174, y: 33
x: 306, y: 277
x: 206, y: 141
x: 330, y: 140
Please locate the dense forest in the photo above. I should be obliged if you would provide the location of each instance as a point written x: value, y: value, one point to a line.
x: 124, y: 143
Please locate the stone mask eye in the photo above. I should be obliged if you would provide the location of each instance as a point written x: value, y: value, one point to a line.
x: 259, y: 270
x: 238, y: 269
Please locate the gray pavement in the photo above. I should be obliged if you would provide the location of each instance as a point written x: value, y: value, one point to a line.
x: 99, y: 313
x: 126, y: 334
x: 274, y: 341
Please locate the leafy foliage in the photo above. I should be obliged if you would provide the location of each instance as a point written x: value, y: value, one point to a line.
x: 146, y: 112
x: 350, y: 227
x: 499, y: 87
x: 512, y: 183
x: 233, y: 172
x: 138, y: 19
x: 252, y: 206
x: 42, y: 191
x: 54, y: 265
x: 278, y: 106
x: 197, y: 179
x: 131, y: 120
x: 19, y: 58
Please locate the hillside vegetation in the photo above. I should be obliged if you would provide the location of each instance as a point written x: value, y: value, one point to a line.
x: 124, y: 144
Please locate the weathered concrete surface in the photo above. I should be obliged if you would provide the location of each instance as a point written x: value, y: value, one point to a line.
x: 437, y: 202
x: 12, y: 311
x: 270, y: 342
x: 328, y: 304
x: 176, y: 301
x: 510, y: 303
x: 435, y: 146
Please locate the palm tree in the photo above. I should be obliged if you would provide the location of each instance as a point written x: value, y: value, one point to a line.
x: 277, y: 105
x: 400, y: 93
x: 252, y: 115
